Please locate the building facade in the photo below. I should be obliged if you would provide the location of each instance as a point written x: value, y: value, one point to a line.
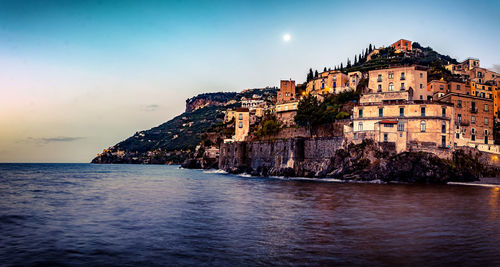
x: 411, y: 79
x: 402, y: 44
x: 407, y: 124
x: 286, y: 92
x: 242, y: 124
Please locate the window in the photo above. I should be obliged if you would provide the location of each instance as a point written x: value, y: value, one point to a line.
x: 391, y: 87
x: 402, y: 86
x: 473, y: 119
x: 391, y: 75
x: 443, y: 112
x: 443, y: 141
x: 485, y: 121
x: 360, y: 126
x: 379, y: 78
x: 422, y: 111
x: 379, y: 88
x: 401, y: 127
x: 421, y: 86
x: 422, y: 126
x: 380, y: 112
x: 421, y: 75
x: 458, y: 87
x: 457, y: 135
x: 402, y: 75
x: 385, y: 137
x: 388, y: 125
x: 486, y: 108
x: 421, y: 97
x: 401, y: 112
x: 459, y: 103
x: 360, y: 112
x: 443, y: 127
x: 240, y: 124
x: 240, y: 116
x: 441, y: 87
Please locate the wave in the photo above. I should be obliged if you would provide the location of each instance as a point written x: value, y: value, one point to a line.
x: 474, y: 184
x: 217, y: 171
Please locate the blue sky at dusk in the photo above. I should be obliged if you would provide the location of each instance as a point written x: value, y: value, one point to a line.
x: 79, y: 76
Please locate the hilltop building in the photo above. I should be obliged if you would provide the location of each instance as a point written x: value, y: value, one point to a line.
x: 328, y: 82
x: 402, y: 44
x: 242, y: 124
x: 286, y: 92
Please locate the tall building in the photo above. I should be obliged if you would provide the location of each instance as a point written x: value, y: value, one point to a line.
x: 287, y: 91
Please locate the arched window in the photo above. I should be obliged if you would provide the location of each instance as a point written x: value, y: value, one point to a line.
x: 391, y: 87
x: 422, y: 126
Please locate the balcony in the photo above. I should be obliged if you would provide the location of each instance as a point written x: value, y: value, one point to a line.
x: 473, y: 110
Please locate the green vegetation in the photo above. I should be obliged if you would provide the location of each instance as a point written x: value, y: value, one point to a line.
x: 311, y: 112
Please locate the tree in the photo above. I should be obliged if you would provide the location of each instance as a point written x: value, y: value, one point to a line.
x: 366, y: 53
x: 341, y: 67
x: 324, y: 69
x: 310, y: 75
x: 316, y: 74
x: 348, y: 63
x: 355, y: 60
x: 307, y: 111
x: 370, y: 48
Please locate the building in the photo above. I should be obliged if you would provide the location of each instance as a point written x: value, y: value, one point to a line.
x: 251, y: 103
x: 408, y: 125
x: 286, y: 112
x: 402, y: 44
x: 242, y: 124
x: 328, y: 82
x: 483, y: 90
x: 286, y: 92
x: 230, y: 114
x: 474, y: 120
x: 410, y: 81
x: 354, y: 79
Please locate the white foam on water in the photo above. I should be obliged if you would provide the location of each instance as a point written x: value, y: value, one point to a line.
x: 215, y: 171
x: 484, y: 185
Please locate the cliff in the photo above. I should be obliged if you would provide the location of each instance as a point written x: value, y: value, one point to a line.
x: 174, y: 141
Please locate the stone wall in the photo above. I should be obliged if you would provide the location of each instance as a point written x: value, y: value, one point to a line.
x: 288, y: 157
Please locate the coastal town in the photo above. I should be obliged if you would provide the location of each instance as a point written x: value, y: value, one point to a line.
x: 392, y: 103
x: 399, y: 105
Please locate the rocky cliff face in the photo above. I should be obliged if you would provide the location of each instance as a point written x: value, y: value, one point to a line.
x: 325, y: 157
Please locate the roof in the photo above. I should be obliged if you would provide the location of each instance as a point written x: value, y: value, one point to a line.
x: 389, y: 122
x: 242, y: 110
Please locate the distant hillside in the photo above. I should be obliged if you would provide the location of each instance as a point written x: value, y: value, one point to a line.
x: 172, y: 140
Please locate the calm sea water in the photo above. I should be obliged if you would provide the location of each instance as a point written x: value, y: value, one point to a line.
x: 82, y: 214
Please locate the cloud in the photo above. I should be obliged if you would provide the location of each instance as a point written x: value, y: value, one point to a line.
x: 57, y: 139
x: 496, y: 68
x: 152, y: 107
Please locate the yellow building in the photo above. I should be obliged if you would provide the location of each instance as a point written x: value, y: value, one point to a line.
x: 408, y: 125
x: 411, y: 79
x: 328, y: 82
x: 242, y: 124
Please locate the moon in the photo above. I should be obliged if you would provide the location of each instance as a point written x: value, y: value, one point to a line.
x: 287, y: 37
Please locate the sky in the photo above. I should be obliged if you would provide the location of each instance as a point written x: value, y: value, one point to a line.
x: 79, y: 76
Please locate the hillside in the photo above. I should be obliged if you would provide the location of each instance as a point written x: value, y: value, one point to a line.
x: 171, y: 141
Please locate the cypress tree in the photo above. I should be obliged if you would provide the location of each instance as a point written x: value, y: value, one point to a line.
x: 316, y: 74
x: 355, y: 60
x: 370, y: 48
x: 324, y: 69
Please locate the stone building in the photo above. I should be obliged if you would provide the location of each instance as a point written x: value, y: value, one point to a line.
x: 402, y: 44
x: 251, y: 103
x: 354, y: 79
x: 474, y: 120
x: 412, y: 79
x: 406, y: 124
x: 286, y: 112
x: 286, y: 92
x: 242, y: 124
x: 229, y: 115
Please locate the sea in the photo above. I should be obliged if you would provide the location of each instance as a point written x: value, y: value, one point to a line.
x: 160, y: 215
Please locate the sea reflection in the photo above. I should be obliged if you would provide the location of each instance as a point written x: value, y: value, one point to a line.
x: 80, y: 214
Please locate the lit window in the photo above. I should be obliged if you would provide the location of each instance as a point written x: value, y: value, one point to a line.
x: 360, y: 126
x: 486, y: 107
x: 485, y: 121
x: 240, y: 124
x: 401, y: 127
x: 240, y: 116
x: 473, y: 119
x: 422, y: 126
x: 391, y: 87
